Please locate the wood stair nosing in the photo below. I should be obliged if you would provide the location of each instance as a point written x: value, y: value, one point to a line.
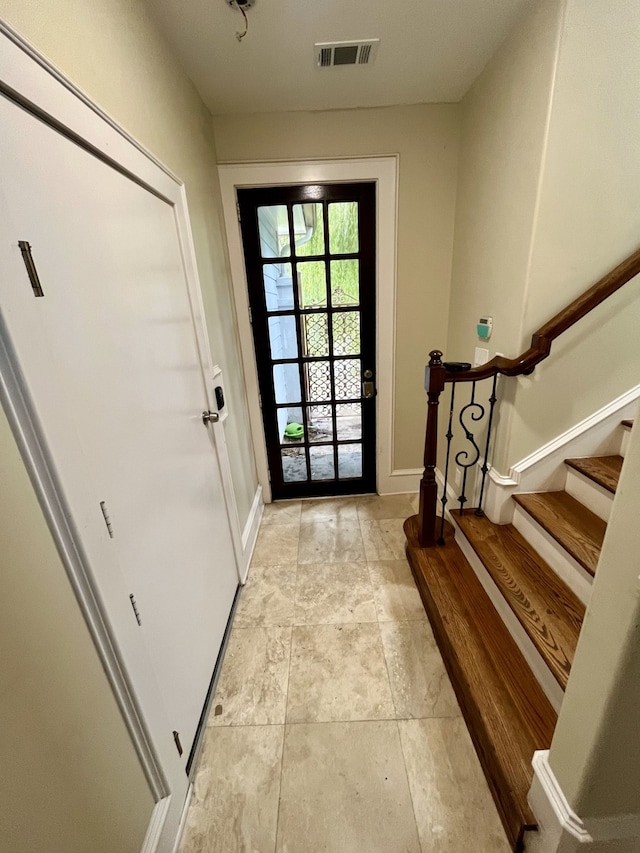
x: 578, y: 530
x: 508, y: 715
x: 603, y: 470
x: 550, y: 613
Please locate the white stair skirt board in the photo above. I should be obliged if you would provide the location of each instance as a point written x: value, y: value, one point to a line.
x: 592, y: 495
x: 543, y: 470
x: 541, y: 671
x: 563, y: 564
x: 250, y: 534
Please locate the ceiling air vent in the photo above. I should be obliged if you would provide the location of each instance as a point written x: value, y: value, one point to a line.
x: 346, y: 52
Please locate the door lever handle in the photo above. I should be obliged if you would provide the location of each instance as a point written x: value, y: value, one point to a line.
x: 210, y: 418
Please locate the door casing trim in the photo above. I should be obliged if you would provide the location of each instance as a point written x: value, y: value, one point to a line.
x: 383, y: 171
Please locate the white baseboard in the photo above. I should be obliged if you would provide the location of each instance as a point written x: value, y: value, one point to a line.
x: 402, y: 481
x: 250, y: 533
x: 555, y: 818
x: 153, y: 836
x: 183, y: 819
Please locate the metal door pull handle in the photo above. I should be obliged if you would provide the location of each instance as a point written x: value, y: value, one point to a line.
x: 210, y: 418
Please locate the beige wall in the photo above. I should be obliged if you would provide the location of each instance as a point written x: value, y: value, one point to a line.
x: 547, y: 203
x: 588, y: 221
x: 426, y: 138
x: 504, y: 118
x: 113, y: 50
x: 70, y: 780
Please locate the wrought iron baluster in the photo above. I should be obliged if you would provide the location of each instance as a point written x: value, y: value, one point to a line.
x: 485, y: 464
x: 444, y: 499
x: 465, y: 459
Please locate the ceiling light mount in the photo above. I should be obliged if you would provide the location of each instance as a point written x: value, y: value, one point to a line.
x: 242, y: 4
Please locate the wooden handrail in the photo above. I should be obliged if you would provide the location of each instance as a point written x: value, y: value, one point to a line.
x: 542, y: 339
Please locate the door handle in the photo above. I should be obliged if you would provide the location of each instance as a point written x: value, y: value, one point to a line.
x: 368, y: 389
x: 210, y: 418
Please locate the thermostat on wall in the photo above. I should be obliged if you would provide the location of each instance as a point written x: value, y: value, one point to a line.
x: 484, y: 327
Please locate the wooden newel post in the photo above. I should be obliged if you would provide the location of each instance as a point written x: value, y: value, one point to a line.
x: 434, y: 384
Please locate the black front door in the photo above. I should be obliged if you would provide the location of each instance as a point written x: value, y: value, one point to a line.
x: 310, y: 260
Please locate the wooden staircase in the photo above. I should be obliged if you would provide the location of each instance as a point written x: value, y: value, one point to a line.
x: 507, y: 619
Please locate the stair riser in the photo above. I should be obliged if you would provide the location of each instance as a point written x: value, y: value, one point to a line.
x: 624, y: 444
x: 536, y: 663
x: 593, y: 496
x: 563, y: 564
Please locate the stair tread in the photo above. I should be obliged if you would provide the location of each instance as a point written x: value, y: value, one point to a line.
x: 604, y: 470
x: 627, y: 423
x: 572, y: 525
x: 508, y: 714
x: 547, y: 609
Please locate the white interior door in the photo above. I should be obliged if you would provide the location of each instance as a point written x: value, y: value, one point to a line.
x: 110, y: 359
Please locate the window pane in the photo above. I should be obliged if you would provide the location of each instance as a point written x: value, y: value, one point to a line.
x: 320, y: 423
x: 348, y: 421
x: 315, y: 335
x: 282, y: 337
x: 273, y: 227
x: 286, y: 380
x: 345, y: 283
x: 346, y: 333
x: 289, y: 425
x: 278, y: 287
x: 308, y: 227
x: 343, y: 227
x: 294, y: 465
x: 347, y: 378
x: 349, y: 460
x: 312, y: 284
x: 318, y: 374
x: 322, y: 463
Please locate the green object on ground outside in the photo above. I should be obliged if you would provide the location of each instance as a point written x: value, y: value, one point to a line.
x: 294, y: 430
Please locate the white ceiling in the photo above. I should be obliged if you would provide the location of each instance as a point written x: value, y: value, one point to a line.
x: 430, y: 50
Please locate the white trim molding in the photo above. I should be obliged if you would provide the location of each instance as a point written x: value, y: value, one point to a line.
x: 383, y: 171
x: 402, y: 481
x: 556, y: 819
x: 561, y: 829
x: 250, y: 534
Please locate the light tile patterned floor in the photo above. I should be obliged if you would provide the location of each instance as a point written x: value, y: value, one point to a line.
x: 334, y: 728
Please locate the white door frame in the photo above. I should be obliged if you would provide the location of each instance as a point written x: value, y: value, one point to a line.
x: 29, y: 79
x: 384, y: 172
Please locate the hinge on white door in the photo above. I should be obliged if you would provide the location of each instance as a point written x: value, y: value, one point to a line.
x: 32, y: 272
x: 238, y: 211
x: 250, y: 315
x: 176, y: 739
x: 107, y: 520
x: 260, y: 399
x: 135, y: 609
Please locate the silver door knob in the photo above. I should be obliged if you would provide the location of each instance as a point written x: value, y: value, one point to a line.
x: 210, y: 418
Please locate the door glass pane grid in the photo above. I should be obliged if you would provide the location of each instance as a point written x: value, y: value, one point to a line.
x: 345, y: 282
x: 346, y: 332
x: 315, y: 335
x: 346, y: 378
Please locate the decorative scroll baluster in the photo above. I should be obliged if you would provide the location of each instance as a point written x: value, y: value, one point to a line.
x: 485, y: 464
x: 465, y: 458
x: 434, y: 383
x: 444, y: 499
